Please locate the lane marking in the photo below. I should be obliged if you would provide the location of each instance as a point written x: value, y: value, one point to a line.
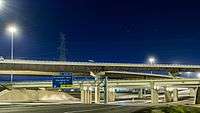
x: 92, y: 109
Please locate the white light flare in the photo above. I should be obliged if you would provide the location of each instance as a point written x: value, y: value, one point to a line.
x: 152, y: 60
x: 12, y: 29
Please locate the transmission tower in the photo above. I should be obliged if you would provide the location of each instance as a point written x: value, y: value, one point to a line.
x: 62, y: 48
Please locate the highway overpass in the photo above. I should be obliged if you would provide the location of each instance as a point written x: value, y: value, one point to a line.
x: 110, y: 74
x: 87, y: 67
x: 133, y: 75
x: 25, y: 73
x: 154, y: 85
x: 120, y: 70
x: 117, y: 83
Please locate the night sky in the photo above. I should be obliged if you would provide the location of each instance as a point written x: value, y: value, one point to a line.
x: 104, y: 30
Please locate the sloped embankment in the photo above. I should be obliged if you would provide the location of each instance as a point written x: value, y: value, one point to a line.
x: 35, y: 95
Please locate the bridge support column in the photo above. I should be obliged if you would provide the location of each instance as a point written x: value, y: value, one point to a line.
x: 168, y: 96
x: 175, y: 95
x: 154, y: 94
x: 140, y: 93
x: 83, y: 94
x: 132, y: 96
x: 97, y: 94
x: 106, y: 90
x: 145, y: 92
x: 111, y: 95
x: 89, y: 95
x: 192, y: 92
x: 86, y: 95
x: 197, y: 97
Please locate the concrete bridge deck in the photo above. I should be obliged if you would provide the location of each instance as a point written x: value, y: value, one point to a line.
x: 86, y: 67
x: 119, y: 83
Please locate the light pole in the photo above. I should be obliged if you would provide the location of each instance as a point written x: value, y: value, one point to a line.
x: 152, y: 61
x: 12, y: 29
x: 2, y: 3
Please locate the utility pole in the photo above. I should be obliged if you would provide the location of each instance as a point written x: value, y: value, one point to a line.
x: 62, y: 48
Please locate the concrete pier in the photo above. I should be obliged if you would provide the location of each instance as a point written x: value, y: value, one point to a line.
x: 175, y: 95
x: 111, y: 94
x: 168, y: 95
x: 86, y: 95
x: 154, y: 94
x: 140, y: 93
x: 97, y: 94
x: 192, y: 91
x: 106, y: 90
x: 197, y: 97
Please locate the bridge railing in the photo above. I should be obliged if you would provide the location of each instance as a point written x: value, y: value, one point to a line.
x: 17, y: 61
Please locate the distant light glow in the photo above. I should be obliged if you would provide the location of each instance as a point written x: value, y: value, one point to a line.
x: 188, y: 73
x: 198, y: 75
x: 151, y: 60
x: 91, y: 61
x: 72, y: 90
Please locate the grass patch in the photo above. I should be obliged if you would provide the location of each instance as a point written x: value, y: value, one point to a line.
x: 170, y: 109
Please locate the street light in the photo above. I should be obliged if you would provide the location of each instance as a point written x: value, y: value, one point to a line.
x: 12, y: 29
x: 2, y: 3
x: 152, y: 60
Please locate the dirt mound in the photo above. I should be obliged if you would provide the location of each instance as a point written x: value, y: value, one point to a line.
x: 35, y: 95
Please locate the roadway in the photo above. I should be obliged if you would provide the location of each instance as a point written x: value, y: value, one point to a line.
x: 87, y: 67
x: 67, y: 108
x: 117, y: 83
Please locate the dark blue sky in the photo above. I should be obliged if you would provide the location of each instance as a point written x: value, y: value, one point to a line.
x: 104, y: 30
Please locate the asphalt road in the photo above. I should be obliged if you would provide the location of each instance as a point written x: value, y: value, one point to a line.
x: 67, y: 108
